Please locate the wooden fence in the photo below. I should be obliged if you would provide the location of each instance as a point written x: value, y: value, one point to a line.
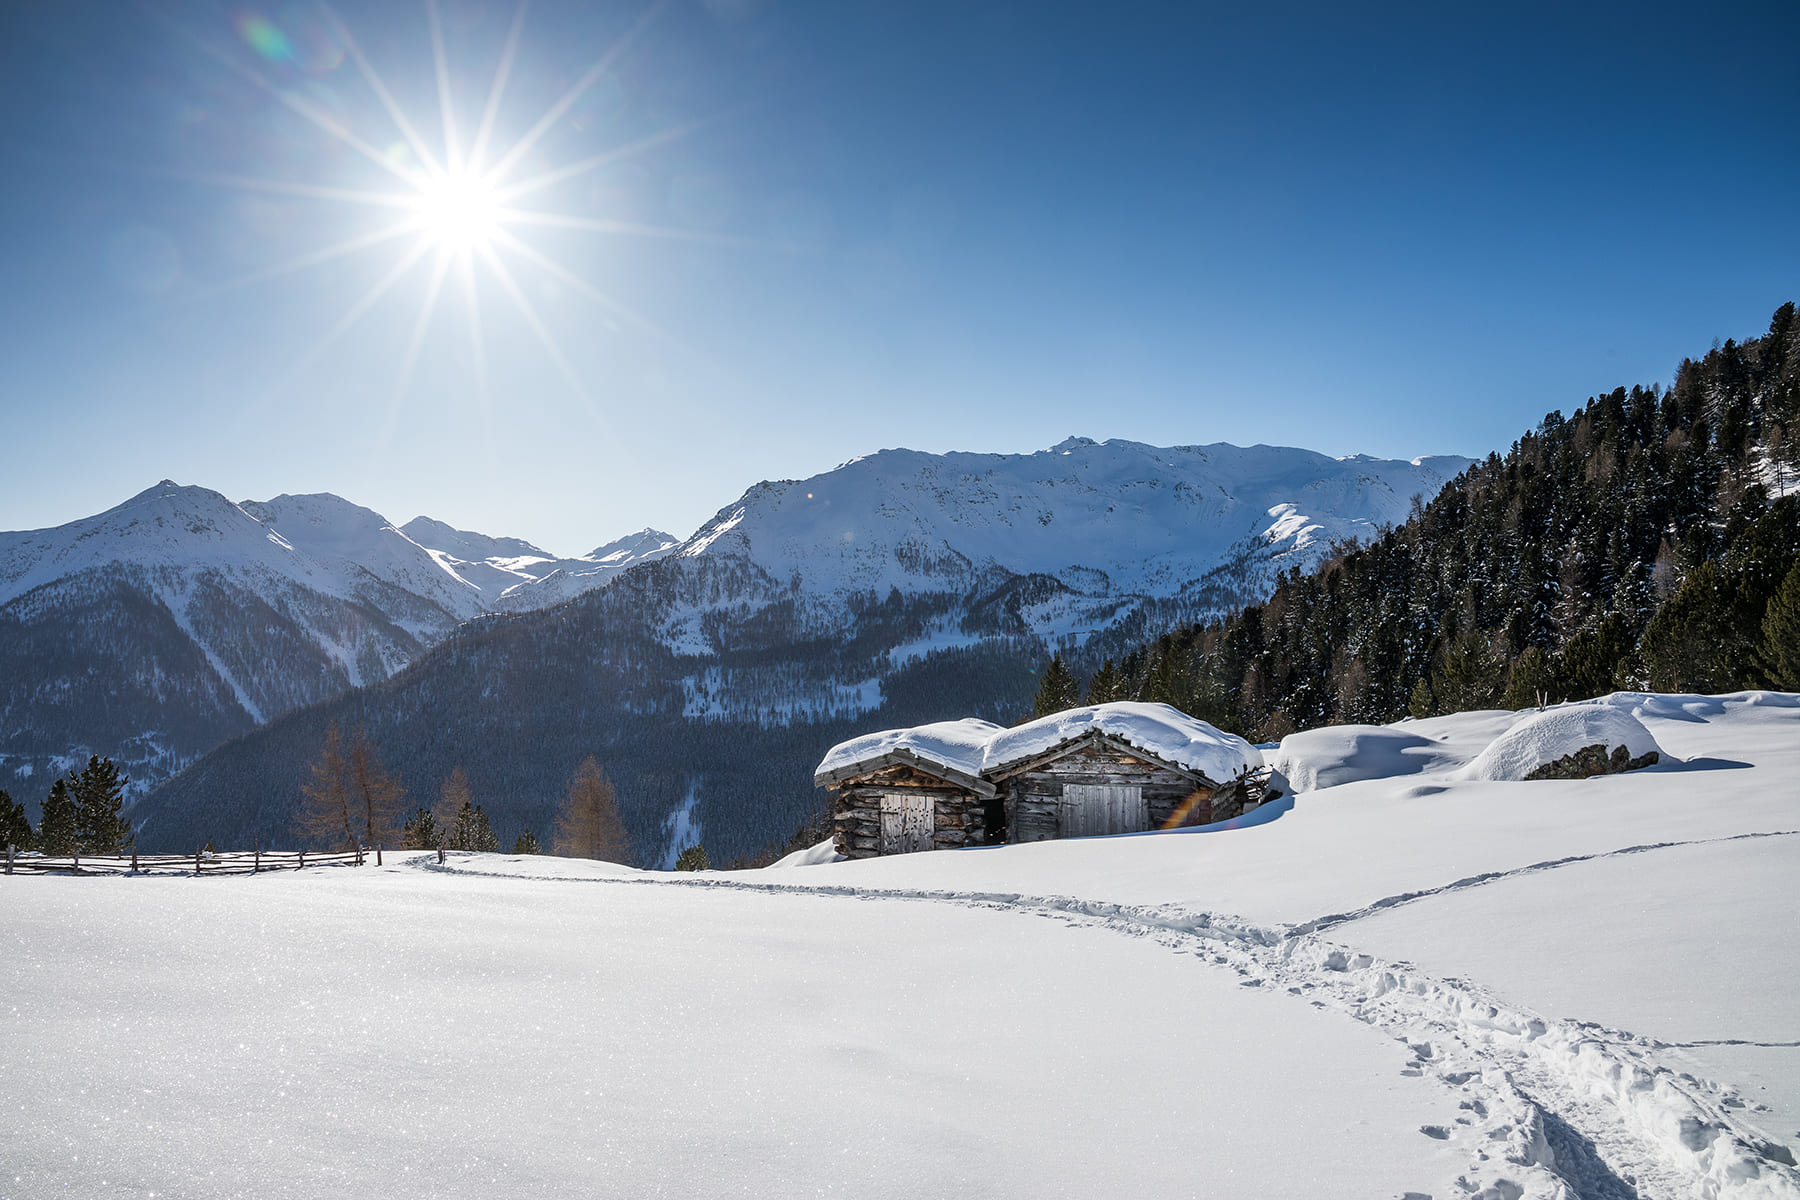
x: 241, y: 862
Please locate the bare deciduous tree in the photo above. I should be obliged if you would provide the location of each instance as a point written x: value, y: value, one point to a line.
x: 325, y: 802
x: 376, y: 795
x: 453, y: 797
x: 589, y: 825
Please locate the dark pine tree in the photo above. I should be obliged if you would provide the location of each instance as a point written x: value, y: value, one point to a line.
x: 15, y: 830
x: 526, y: 843
x: 57, y: 832
x: 420, y: 831
x: 98, y: 793
x: 1779, y: 652
x: 1057, y: 689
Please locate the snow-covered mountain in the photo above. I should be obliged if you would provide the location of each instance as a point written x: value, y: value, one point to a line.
x: 1084, y: 540
x: 1113, y: 517
x: 881, y: 592
x: 158, y: 628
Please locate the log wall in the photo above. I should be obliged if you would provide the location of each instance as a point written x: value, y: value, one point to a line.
x: 958, y: 815
x: 1034, y: 797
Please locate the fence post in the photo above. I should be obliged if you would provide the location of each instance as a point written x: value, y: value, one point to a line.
x: 302, y: 860
x: 134, y: 869
x: 76, y: 869
x: 378, y: 854
x: 9, y: 857
x: 196, y: 862
x: 256, y: 864
x: 359, y: 854
x: 440, y: 854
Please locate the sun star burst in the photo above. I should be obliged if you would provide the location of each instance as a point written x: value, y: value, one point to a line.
x: 456, y: 200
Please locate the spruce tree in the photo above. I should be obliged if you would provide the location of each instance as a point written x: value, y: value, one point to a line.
x: 1106, y: 685
x: 472, y: 831
x: 98, y: 793
x: 693, y: 859
x: 1057, y: 689
x: 526, y: 843
x: 15, y: 829
x: 1693, y: 644
x: 1529, y: 682
x: 1421, y: 705
x: 420, y: 831
x: 57, y: 833
x: 1779, y: 652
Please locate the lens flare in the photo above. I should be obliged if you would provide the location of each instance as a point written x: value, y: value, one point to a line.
x: 264, y: 37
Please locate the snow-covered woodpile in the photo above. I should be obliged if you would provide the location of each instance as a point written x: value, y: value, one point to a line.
x: 1110, y: 768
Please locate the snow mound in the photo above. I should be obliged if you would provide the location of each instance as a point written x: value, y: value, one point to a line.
x: 1157, y: 729
x: 810, y: 856
x: 1322, y: 758
x: 1544, y: 737
x: 954, y: 744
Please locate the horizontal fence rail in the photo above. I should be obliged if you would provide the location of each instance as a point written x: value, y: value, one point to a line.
x: 238, y: 862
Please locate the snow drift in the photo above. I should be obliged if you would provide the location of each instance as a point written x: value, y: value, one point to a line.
x: 1541, y: 738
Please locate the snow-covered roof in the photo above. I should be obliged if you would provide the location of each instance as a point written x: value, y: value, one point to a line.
x: 949, y: 749
x: 1157, y: 729
x: 1546, y: 736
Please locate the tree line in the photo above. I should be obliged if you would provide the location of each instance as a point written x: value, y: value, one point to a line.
x: 1651, y: 540
x: 83, y: 814
x: 353, y: 799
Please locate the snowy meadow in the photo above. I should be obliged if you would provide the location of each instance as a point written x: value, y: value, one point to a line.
x: 1415, y: 975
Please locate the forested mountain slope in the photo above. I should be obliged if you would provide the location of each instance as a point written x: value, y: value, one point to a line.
x: 1650, y: 539
x: 153, y: 631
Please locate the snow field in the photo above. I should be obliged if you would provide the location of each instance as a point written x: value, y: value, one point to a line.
x: 411, y: 1032
x: 1405, y: 982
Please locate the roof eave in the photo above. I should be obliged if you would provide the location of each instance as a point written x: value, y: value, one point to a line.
x: 1004, y: 771
x: 902, y: 756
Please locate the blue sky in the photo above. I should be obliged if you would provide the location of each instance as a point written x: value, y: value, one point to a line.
x: 1394, y: 230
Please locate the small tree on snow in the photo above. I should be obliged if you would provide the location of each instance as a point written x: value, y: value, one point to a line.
x: 526, y: 843
x: 57, y: 834
x: 421, y: 831
x: 99, y: 796
x: 15, y: 830
x: 472, y: 831
x: 693, y: 859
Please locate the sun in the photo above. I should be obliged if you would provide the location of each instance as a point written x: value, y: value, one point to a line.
x: 458, y: 210
x: 456, y: 202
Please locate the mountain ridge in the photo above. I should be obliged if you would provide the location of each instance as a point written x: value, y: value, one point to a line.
x: 895, y: 584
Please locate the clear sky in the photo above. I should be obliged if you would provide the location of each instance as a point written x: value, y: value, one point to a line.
x: 767, y: 236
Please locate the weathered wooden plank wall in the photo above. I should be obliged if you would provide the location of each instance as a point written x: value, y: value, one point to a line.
x: 958, y: 815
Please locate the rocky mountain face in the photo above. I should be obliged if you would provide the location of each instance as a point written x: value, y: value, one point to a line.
x: 157, y: 629
x: 898, y: 588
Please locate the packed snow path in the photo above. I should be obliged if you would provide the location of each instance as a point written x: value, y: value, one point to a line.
x: 1432, y: 985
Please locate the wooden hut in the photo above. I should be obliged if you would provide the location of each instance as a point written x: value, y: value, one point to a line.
x: 903, y: 790
x: 1118, y: 768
